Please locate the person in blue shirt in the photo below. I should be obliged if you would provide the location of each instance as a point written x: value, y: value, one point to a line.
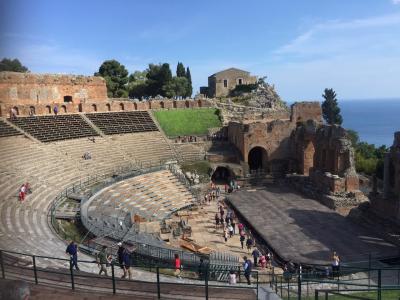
x: 247, y: 268
x: 72, y: 250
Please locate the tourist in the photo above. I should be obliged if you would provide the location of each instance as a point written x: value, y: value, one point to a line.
x: 242, y: 239
x: 232, y: 277
x: 13, y: 113
x: 249, y: 243
x: 335, y: 264
x: 233, y: 226
x: 120, y: 256
x: 225, y: 234
x: 269, y: 259
x: 21, y: 194
x: 247, y: 267
x: 216, y: 220
x: 218, y: 191
x: 72, y: 250
x: 103, y: 260
x: 263, y: 262
x: 256, y: 254
x: 177, y: 266
x: 240, y: 227
x: 201, y: 269
x: 230, y: 229
x: 126, y: 259
x: 55, y: 109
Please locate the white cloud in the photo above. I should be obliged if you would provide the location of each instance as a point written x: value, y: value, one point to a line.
x: 396, y: 2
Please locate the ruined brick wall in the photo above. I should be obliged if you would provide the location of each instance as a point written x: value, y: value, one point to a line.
x: 303, y: 111
x: 44, y: 89
x: 325, y: 153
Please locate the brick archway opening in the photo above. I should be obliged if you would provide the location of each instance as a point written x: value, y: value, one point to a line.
x: 258, y: 159
x: 222, y: 175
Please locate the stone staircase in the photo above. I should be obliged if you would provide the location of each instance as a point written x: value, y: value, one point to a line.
x: 190, y: 151
x: 7, y: 130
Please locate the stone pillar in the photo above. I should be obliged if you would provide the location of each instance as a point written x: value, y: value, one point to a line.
x: 374, y: 185
x: 386, y: 176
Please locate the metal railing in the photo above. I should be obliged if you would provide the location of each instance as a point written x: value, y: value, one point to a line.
x: 201, y: 282
x: 350, y: 282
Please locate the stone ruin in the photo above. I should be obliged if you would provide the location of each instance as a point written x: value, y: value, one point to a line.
x: 265, y: 96
x: 387, y: 204
x: 325, y: 154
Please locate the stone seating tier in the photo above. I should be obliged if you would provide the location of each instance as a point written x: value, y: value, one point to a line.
x: 123, y: 122
x: 54, y: 128
x: 152, y: 196
x: 7, y: 130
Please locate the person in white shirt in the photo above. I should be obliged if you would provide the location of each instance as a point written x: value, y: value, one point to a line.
x: 232, y: 277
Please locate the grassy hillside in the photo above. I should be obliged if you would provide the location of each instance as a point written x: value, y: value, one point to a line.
x: 187, y: 121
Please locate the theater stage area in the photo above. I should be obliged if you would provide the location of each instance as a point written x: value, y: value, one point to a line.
x: 303, y: 230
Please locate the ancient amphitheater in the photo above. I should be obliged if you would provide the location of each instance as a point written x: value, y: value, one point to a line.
x: 108, y: 165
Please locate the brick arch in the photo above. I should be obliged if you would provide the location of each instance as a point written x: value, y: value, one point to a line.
x: 94, y: 107
x: 48, y: 109
x: 63, y: 109
x: 108, y: 107
x: 257, y: 158
x: 121, y: 106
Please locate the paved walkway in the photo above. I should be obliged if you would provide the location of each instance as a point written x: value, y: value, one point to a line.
x: 303, y: 230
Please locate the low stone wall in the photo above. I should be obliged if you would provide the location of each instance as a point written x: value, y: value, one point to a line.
x: 99, y: 106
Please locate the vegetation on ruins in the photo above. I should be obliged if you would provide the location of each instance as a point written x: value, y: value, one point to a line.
x: 12, y: 65
x: 116, y: 77
x: 368, y: 158
x: 181, y: 122
x: 330, y: 108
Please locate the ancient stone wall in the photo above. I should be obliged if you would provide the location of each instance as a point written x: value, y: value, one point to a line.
x: 102, y: 106
x: 325, y: 153
x: 303, y: 111
x: 33, y: 89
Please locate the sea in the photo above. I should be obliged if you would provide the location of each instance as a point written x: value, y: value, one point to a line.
x: 375, y: 120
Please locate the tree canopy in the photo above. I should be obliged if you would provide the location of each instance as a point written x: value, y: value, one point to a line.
x: 180, y: 70
x: 156, y: 80
x: 13, y: 65
x: 116, y: 77
x: 330, y: 108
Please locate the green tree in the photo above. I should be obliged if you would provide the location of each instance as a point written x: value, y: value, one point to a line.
x: 137, y: 85
x: 175, y: 88
x: 180, y: 70
x: 13, y: 65
x: 116, y: 77
x: 189, y: 91
x: 158, y: 76
x: 354, y: 137
x: 330, y: 108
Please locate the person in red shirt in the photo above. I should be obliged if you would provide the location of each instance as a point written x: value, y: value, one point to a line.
x: 177, y: 266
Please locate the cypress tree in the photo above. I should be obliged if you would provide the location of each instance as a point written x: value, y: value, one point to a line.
x: 330, y: 108
x: 189, y: 79
x: 180, y: 70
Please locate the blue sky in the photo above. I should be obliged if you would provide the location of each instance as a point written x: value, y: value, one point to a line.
x: 302, y: 46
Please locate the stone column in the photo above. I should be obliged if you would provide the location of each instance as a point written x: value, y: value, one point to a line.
x: 386, y: 176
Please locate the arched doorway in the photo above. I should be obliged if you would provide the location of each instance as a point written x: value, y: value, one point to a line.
x: 63, y: 109
x: 258, y: 159
x: 94, y: 107
x: 67, y: 99
x: 48, y: 109
x: 108, y: 107
x: 161, y: 104
x: 222, y: 175
x: 32, y: 110
x: 121, y: 106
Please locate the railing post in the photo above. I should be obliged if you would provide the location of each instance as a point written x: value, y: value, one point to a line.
x: 158, y: 283
x: 316, y: 295
x: 113, y: 278
x: 34, y: 268
x: 299, y: 286
x: 369, y: 271
x: 257, y: 285
x: 72, y: 274
x: 206, y: 283
x: 379, y: 284
x: 3, y: 273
